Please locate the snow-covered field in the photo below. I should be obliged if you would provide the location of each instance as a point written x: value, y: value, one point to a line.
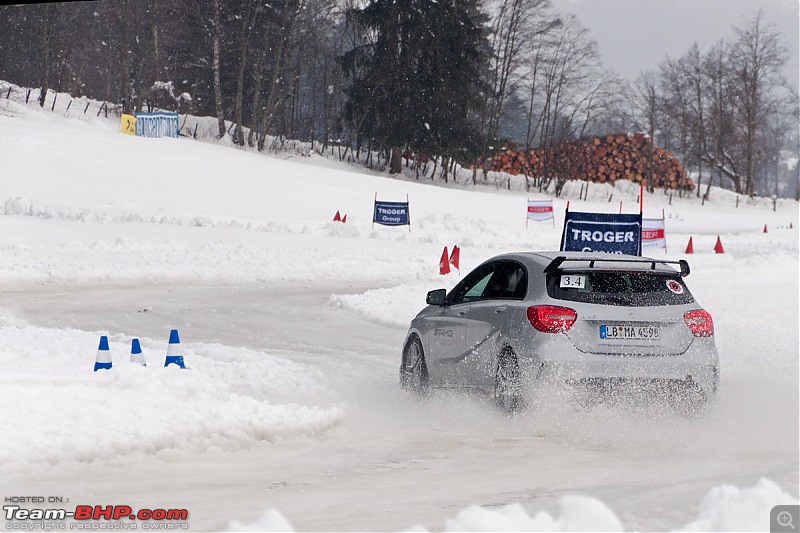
x: 291, y: 416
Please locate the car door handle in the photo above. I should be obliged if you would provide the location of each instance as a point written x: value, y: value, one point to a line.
x: 499, y: 310
x: 463, y: 312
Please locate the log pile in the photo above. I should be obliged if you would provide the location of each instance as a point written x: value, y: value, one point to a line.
x: 600, y: 160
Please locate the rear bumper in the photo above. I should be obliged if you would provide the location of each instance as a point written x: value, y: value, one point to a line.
x: 698, y: 367
x: 665, y: 378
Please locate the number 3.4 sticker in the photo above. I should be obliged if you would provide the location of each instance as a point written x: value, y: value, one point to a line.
x: 572, y: 281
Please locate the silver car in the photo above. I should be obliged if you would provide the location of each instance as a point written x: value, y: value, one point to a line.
x: 579, y: 320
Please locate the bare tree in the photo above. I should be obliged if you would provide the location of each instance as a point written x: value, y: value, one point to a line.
x: 279, y: 40
x: 757, y: 56
x: 719, y: 87
x: 567, y: 71
x: 515, y: 25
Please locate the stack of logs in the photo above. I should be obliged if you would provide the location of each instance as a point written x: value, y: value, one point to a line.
x: 600, y: 160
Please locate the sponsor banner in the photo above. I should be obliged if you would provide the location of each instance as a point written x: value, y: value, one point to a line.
x: 540, y: 209
x: 602, y: 232
x: 653, y: 233
x: 391, y: 213
x: 127, y: 124
x: 160, y: 124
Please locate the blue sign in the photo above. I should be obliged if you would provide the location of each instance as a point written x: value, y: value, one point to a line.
x: 601, y: 232
x: 160, y: 124
x: 391, y: 213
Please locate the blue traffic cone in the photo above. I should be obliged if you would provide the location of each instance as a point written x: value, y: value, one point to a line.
x: 174, y: 350
x: 136, y: 353
x: 103, y: 359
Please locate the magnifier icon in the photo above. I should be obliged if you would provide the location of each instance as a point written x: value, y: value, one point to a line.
x: 785, y: 519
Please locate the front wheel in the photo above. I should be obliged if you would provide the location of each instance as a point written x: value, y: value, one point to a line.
x: 413, y: 370
x: 507, y: 382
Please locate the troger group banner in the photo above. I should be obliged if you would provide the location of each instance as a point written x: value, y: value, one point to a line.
x: 602, y: 232
x: 391, y: 213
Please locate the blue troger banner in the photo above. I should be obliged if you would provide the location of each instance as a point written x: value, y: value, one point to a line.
x: 391, y: 213
x: 602, y: 232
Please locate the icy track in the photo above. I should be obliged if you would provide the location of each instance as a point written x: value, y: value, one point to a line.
x: 291, y: 416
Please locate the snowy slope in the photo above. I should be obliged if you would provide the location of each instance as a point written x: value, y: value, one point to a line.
x: 292, y: 324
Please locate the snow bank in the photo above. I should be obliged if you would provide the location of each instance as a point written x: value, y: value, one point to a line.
x: 393, y: 306
x: 724, y: 508
x: 729, y: 508
x: 230, y: 399
x: 578, y: 513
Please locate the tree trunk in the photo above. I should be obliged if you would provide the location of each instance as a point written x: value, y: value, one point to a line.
x: 248, y: 19
x: 45, y: 69
x: 256, y: 96
x: 396, y: 161
x: 127, y: 87
x: 215, y: 68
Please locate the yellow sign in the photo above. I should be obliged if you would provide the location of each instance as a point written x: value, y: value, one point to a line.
x: 127, y: 124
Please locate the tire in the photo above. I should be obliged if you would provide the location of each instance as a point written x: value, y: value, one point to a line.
x: 413, y: 370
x: 507, y: 382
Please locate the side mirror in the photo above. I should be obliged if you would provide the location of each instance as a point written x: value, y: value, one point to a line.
x: 436, y: 297
x: 684, y: 267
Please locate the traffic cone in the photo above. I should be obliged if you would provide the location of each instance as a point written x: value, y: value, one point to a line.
x: 337, y: 217
x: 718, y: 247
x: 344, y: 219
x: 103, y: 359
x: 136, y: 353
x: 444, y: 263
x: 455, y: 256
x: 689, y: 247
x: 790, y: 225
x: 765, y: 228
x: 174, y: 350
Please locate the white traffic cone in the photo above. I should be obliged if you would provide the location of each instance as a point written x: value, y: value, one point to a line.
x: 174, y: 355
x: 103, y: 359
x: 136, y: 353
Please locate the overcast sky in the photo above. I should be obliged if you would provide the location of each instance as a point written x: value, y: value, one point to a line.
x: 637, y: 35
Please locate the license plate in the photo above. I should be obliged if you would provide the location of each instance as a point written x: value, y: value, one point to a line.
x: 630, y: 332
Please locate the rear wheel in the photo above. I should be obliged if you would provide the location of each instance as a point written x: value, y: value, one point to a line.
x: 507, y: 382
x: 413, y: 370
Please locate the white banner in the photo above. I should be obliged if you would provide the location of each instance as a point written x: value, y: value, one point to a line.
x: 540, y: 209
x: 654, y: 233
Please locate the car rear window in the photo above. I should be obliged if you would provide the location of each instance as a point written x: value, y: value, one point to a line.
x: 636, y: 288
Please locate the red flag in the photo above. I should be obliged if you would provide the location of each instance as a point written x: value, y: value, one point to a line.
x: 344, y: 219
x: 337, y: 217
x: 718, y: 247
x: 689, y: 247
x: 455, y: 256
x: 444, y: 263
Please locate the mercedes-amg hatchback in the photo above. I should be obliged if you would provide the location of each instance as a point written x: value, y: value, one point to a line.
x: 570, y: 318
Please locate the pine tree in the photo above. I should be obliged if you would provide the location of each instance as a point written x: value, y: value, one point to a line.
x: 417, y: 80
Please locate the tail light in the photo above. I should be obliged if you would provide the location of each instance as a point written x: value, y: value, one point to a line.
x: 699, y: 321
x: 551, y: 318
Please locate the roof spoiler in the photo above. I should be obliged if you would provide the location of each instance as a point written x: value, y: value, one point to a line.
x: 555, y: 264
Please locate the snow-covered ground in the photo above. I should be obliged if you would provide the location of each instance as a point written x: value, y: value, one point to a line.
x: 291, y: 416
